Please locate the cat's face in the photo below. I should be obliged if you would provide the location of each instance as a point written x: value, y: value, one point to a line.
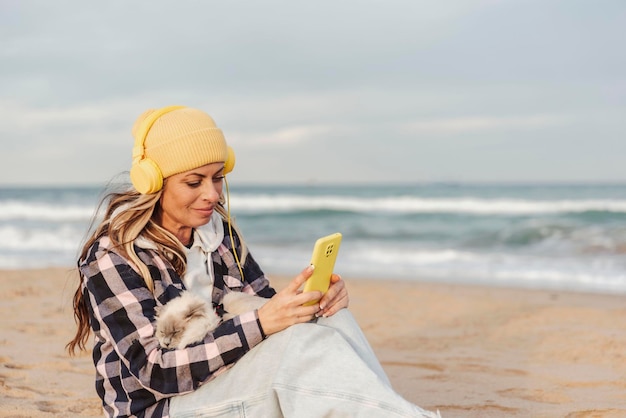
x: 170, y: 329
x: 174, y: 318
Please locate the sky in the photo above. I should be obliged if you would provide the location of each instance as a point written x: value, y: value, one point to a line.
x: 321, y: 91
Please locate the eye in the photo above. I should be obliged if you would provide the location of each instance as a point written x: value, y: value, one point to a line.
x: 218, y: 179
x: 193, y: 184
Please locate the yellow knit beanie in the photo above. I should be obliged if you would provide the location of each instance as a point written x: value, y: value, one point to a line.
x: 172, y: 140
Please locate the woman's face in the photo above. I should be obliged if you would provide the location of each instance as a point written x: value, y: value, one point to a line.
x: 188, y: 199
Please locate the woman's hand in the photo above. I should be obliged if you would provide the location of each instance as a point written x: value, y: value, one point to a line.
x: 285, y: 308
x: 335, y: 298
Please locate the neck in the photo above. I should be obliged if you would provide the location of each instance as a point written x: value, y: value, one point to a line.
x: 184, y: 236
x: 183, y: 233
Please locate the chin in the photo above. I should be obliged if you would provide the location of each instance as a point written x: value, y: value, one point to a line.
x: 200, y: 221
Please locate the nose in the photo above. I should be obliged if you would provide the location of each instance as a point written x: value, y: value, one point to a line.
x: 210, y: 192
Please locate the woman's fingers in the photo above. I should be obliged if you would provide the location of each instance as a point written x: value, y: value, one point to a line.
x: 336, y: 306
x: 299, y: 280
x: 288, y: 307
x: 336, y: 287
x: 306, y: 297
x: 291, y: 306
x: 309, y: 312
x: 294, y: 287
x: 335, y: 298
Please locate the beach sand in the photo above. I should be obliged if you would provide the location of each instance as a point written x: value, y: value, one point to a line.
x: 468, y: 351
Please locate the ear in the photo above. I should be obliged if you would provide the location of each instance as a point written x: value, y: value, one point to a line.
x: 196, y: 309
x: 158, y: 309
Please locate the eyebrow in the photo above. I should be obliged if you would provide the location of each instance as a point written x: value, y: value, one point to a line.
x: 218, y: 172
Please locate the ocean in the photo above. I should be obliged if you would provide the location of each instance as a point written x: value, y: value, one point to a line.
x: 549, y: 236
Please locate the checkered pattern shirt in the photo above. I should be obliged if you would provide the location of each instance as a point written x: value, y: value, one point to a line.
x: 134, y: 375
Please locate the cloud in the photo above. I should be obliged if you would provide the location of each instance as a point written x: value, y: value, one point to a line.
x: 287, y: 136
x: 498, y: 79
x: 457, y: 125
x: 65, y: 125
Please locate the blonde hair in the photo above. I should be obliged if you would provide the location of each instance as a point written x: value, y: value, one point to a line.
x: 128, y: 215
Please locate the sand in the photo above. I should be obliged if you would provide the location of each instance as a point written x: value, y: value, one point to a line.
x: 468, y: 351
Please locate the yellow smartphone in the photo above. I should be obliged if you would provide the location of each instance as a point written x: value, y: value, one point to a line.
x: 323, y: 258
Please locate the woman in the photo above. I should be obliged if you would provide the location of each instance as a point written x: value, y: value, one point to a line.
x: 171, y: 233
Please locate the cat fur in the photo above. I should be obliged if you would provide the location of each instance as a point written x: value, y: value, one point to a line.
x: 189, y: 318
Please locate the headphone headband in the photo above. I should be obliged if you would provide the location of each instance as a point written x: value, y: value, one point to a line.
x: 144, y: 128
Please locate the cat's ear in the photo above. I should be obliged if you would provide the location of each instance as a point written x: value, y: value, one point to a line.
x: 196, y: 308
x: 158, y: 309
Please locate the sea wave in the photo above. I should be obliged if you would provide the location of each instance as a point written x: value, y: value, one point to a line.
x: 23, y: 210
x: 63, y: 238
x: 605, y: 273
x: 409, y: 204
x: 283, y: 203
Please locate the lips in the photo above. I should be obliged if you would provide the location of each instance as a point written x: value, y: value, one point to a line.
x: 204, y: 211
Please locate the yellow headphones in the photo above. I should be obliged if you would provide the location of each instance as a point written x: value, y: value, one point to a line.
x: 145, y: 174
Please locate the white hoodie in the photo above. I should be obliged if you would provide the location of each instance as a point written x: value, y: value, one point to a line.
x: 199, y: 276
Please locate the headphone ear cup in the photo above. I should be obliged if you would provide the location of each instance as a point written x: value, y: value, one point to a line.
x: 229, y: 164
x: 146, y: 176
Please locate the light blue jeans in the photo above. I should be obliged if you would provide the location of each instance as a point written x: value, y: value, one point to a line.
x: 318, y: 369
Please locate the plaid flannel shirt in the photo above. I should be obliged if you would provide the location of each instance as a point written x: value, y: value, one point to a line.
x: 134, y: 375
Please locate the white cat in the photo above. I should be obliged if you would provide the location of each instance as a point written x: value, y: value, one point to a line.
x: 188, y: 318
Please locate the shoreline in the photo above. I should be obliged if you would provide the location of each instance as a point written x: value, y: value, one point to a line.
x: 467, y: 350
